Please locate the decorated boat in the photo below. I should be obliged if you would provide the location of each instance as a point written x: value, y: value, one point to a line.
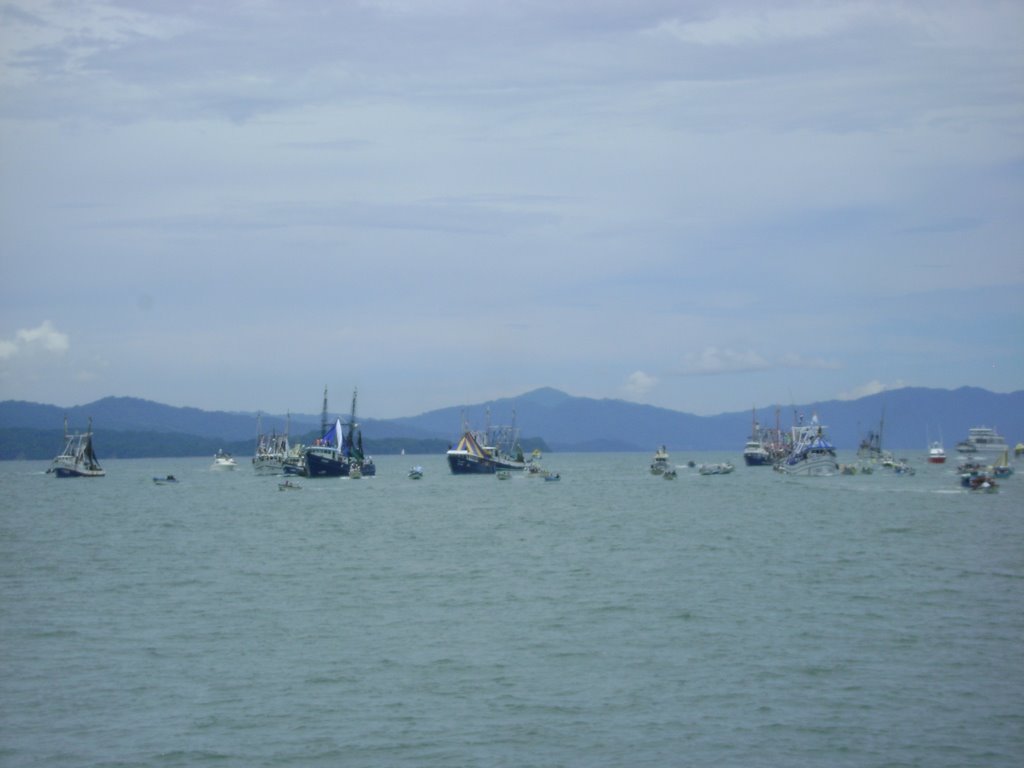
x: 484, y: 453
x: 812, y: 452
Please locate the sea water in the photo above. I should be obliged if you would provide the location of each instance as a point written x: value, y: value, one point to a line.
x: 613, y: 618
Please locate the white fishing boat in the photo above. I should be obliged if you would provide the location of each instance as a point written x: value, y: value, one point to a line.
x: 271, y: 451
x: 812, y: 452
x: 78, y: 459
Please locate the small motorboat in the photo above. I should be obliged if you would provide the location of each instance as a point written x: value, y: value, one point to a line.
x: 168, y: 480
x: 660, y: 461
x: 552, y: 477
x: 720, y: 468
x: 503, y: 474
x: 223, y: 460
x: 669, y: 474
x: 416, y: 473
x: 288, y: 485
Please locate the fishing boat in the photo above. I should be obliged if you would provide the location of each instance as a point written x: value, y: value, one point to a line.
x: 352, y: 447
x: 271, y: 450
x: 936, y: 453
x: 660, y: 464
x: 493, y: 450
x: 812, y: 452
x: 78, y: 459
x: 870, y: 448
x: 339, y: 449
x: 765, y: 445
x: 323, y: 458
x: 982, y: 441
x: 223, y: 460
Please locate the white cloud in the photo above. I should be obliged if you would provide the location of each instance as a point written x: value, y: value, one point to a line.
x: 44, y: 337
x: 640, y: 383
x: 793, y: 360
x: 714, y: 361
x: 873, y: 387
x: 764, y: 24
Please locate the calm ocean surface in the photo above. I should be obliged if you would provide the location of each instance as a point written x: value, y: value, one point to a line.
x: 610, y: 619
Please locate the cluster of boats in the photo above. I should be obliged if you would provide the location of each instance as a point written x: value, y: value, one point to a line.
x: 338, y: 452
x: 805, y: 450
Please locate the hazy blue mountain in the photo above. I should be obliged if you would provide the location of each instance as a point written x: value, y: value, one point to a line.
x: 912, y: 415
x: 566, y: 423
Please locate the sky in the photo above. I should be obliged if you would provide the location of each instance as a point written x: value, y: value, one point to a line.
x: 702, y: 206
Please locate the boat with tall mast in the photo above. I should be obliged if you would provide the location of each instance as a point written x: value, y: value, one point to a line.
x: 78, y: 459
x: 870, y: 448
x: 271, y: 450
x: 352, y: 447
x: 766, y: 445
x: 324, y: 457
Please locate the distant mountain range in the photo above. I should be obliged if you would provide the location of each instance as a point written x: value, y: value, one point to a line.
x: 130, y: 427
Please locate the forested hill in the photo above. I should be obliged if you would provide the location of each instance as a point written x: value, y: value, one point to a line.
x: 130, y: 427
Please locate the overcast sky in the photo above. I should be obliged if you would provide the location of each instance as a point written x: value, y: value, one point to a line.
x: 704, y: 206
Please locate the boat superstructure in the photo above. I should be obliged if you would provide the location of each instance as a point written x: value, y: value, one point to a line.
x: 982, y: 441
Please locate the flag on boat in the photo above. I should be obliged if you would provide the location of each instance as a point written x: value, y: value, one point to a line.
x: 333, y: 436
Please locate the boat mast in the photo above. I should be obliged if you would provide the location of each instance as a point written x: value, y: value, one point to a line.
x: 323, y: 415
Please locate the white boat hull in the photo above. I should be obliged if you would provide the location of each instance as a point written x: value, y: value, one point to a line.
x: 815, y: 465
